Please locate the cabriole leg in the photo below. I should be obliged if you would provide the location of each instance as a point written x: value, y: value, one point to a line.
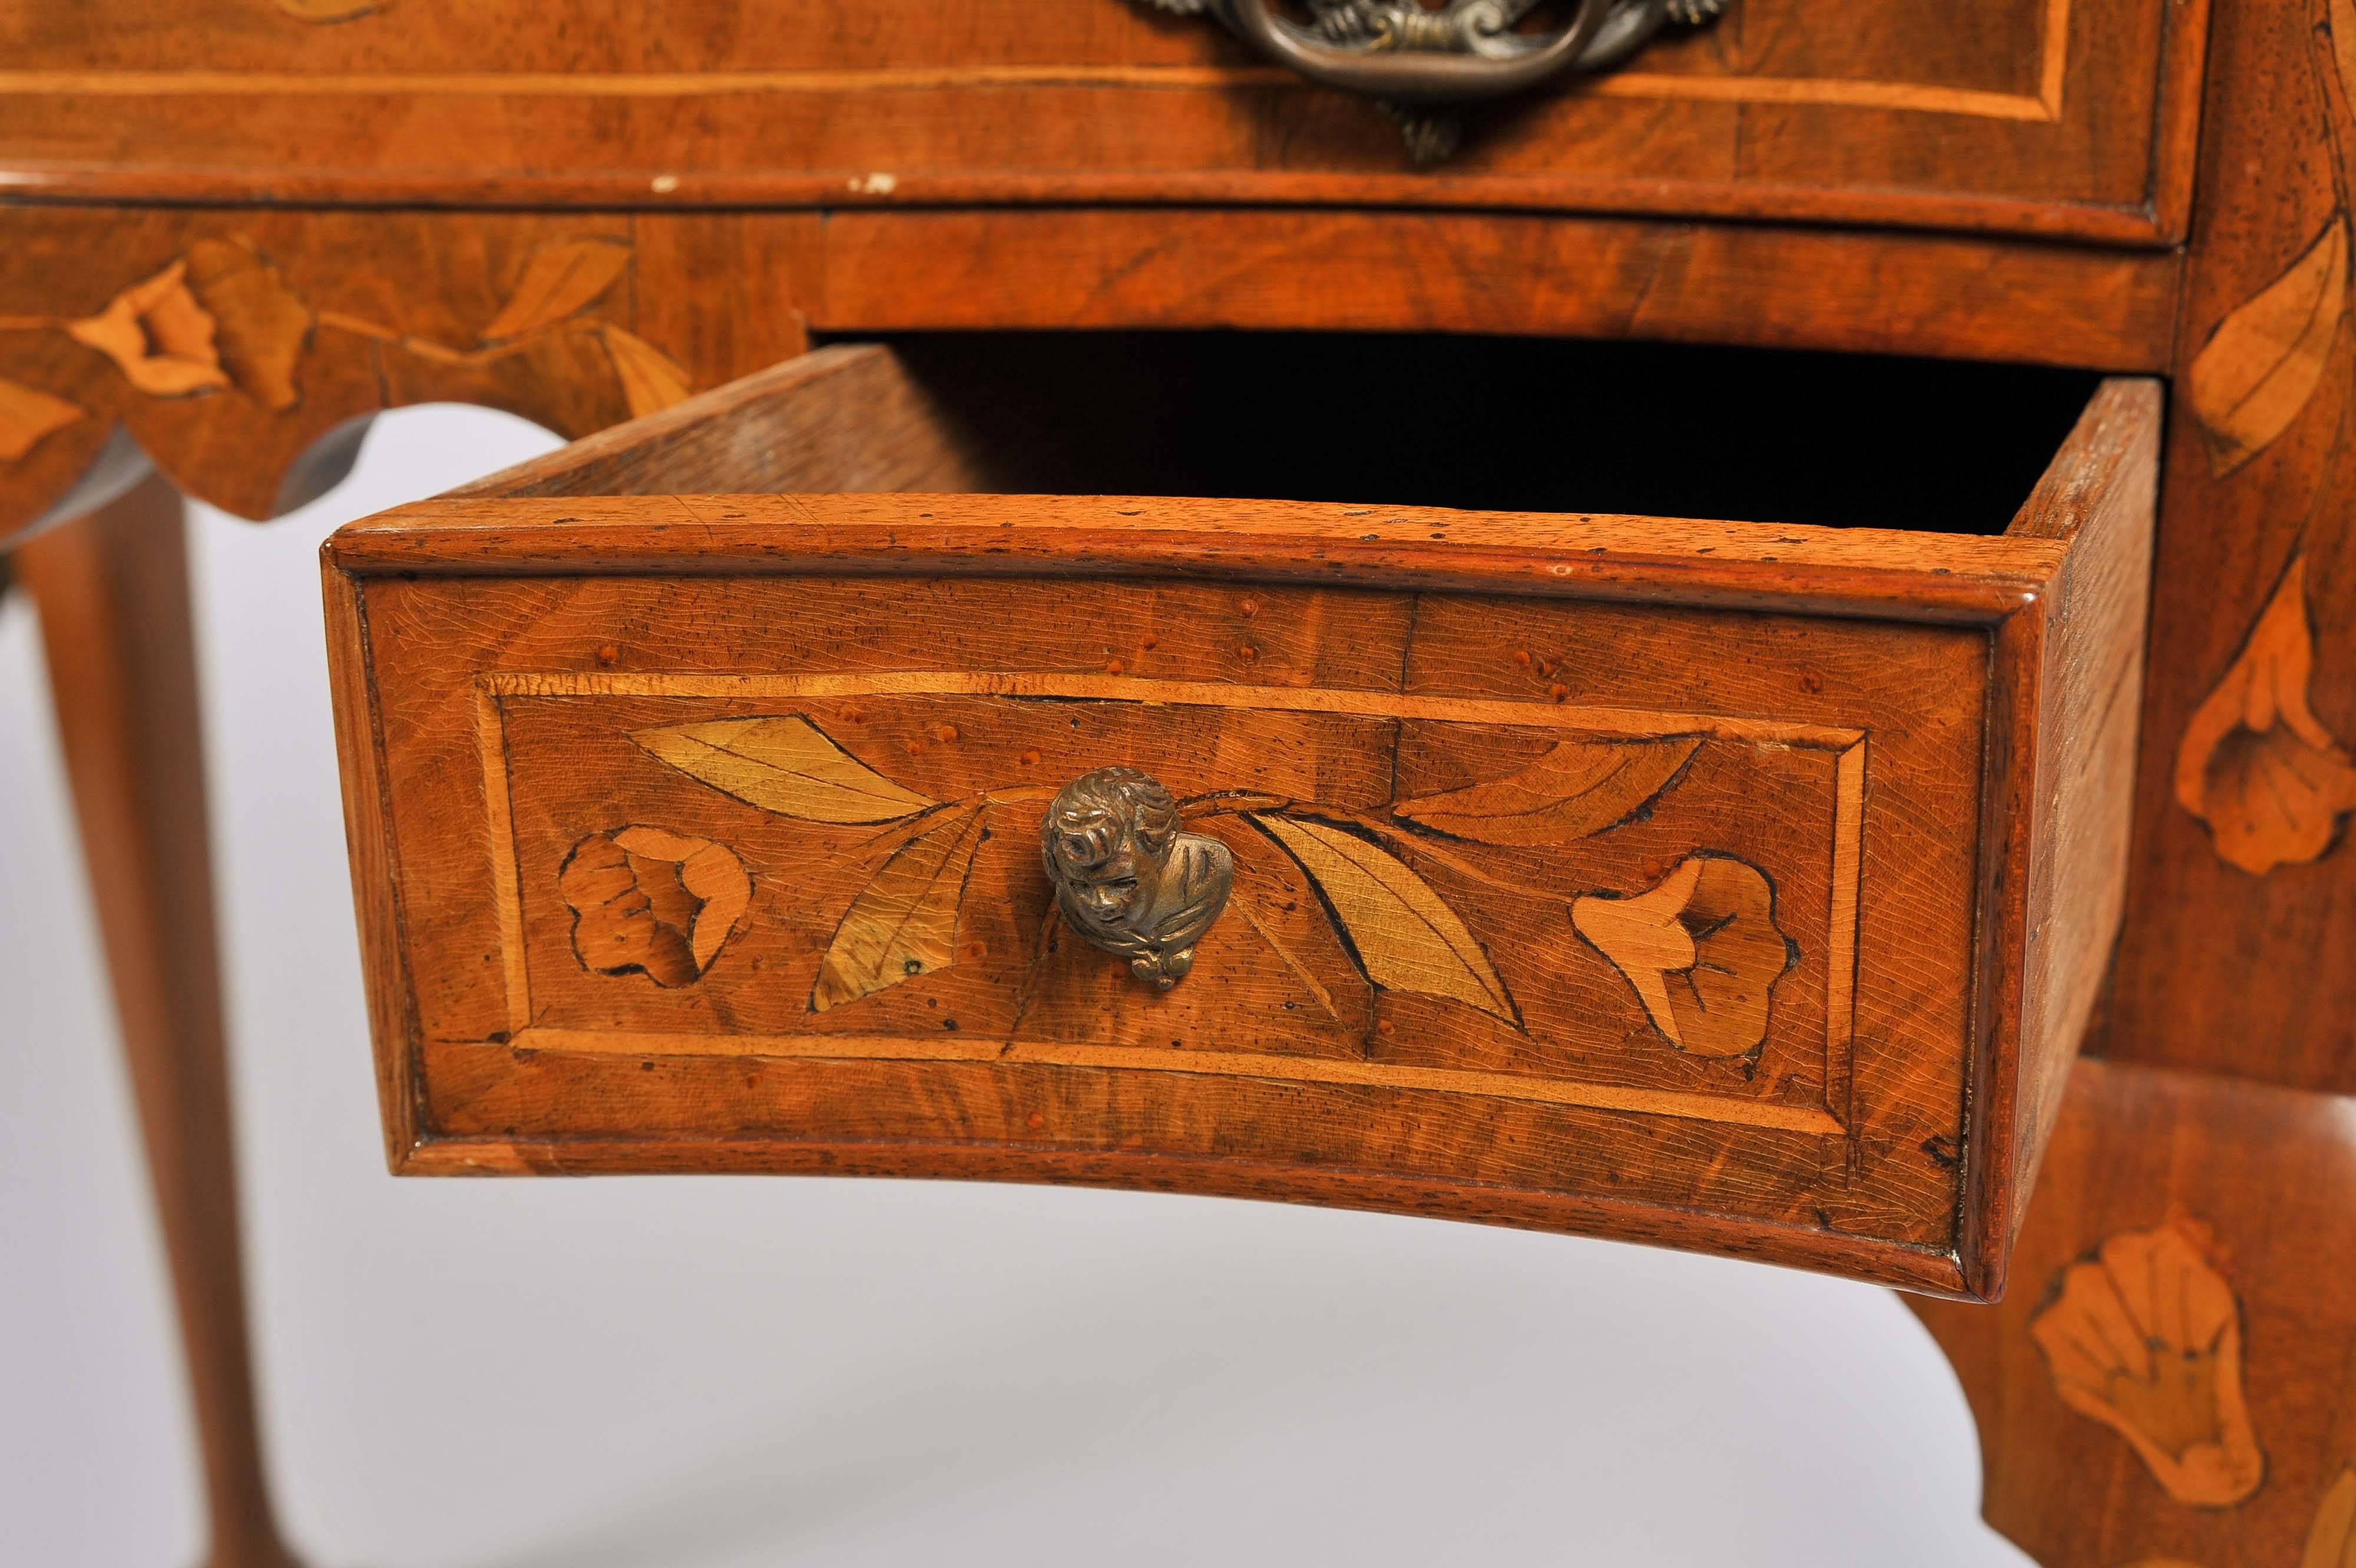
x: 113, y: 592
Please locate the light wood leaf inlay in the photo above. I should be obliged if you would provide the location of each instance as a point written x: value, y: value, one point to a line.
x: 329, y: 10
x: 2146, y: 1338
x: 558, y: 280
x: 1578, y: 789
x: 1273, y: 897
x: 904, y: 922
x: 785, y: 764
x: 2256, y: 764
x: 1702, y: 949
x: 650, y: 381
x: 2343, y: 46
x: 2331, y: 1542
x: 1402, y: 933
x: 261, y: 325
x: 648, y: 901
x: 158, y: 336
x: 26, y: 414
x: 2265, y: 358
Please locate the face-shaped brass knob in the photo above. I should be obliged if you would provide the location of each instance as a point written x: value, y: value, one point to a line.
x: 1127, y: 879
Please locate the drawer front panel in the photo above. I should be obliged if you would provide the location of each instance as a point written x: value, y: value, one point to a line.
x: 2025, y: 115
x: 1575, y: 903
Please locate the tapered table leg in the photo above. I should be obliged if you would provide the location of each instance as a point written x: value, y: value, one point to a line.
x: 113, y: 591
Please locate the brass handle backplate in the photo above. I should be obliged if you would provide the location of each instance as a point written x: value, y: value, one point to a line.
x: 1422, y: 66
x: 1127, y: 878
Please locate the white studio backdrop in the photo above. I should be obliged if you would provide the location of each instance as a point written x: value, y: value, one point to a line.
x: 724, y: 1373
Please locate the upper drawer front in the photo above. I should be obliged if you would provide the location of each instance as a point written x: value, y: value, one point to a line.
x: 2064, y: 116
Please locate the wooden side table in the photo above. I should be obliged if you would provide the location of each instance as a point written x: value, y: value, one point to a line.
x: 627, y: 207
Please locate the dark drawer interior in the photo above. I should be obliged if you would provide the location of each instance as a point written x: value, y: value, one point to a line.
x: 1501, y: 424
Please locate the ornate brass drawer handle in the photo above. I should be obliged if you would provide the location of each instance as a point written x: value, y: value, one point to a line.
x: 1127, y: 879
x: 1422, y: 66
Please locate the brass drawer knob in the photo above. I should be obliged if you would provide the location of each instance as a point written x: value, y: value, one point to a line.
x: 1423, y: 66
x: 1127, y: 879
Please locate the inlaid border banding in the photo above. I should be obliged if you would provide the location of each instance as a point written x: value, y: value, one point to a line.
x: 1832, y: 1119
x: 2045, y: 104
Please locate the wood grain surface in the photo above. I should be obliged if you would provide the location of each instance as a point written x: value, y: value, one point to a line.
x: 2062, y: 117
x: 1092, y: 165
x: 2173, y: 1380
x: 2065, y: 888
x: 2244, y: 887
x: 1541, y: 826
x: 1251, y: 725
x: 233, y: 346
x: 293, y: 327
x: 842, y: 418
x: 1784, y: 288
x: 113, y: 592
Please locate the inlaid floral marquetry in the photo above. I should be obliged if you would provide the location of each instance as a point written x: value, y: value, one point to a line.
x: 223, y: 319
x: 648, y: 902
x: 158, y: 336
x: 891, y: 841
x: 1213, y: 842
x: 2259, y: 371
x: 230, y: 353
x: 2272, y: 783
x: 2331, y: 1541
x: 1576, y: 789
x: 1700, y: 949
x: 2256, y: 765
x: 27, y: 414
x: 2146, y: 1338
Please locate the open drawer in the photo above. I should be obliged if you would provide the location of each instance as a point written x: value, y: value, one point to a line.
x: 1733, y: 885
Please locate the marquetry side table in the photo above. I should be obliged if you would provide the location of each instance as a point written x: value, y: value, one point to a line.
x: 606, y: 222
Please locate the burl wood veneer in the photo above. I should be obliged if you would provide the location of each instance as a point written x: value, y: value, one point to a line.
x: 2071, y: 117
x: 1737, y: 886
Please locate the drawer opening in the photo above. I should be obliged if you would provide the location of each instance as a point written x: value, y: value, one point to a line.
x: 1501, y: 424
